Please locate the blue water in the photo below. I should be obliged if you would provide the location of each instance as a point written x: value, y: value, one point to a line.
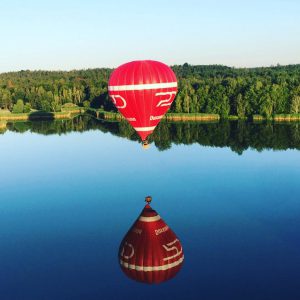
x: 67, y: 201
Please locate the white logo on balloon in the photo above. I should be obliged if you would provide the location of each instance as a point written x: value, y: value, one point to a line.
x: 167, y: 101
x: 171, y: 247
x: 118, y: 99
x: 128, y: 245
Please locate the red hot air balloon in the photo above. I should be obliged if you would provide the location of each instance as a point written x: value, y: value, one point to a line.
x: 150, y: 252
x: 143, y: 91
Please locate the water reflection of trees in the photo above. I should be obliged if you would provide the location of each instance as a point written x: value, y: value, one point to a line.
x: 237, y: 135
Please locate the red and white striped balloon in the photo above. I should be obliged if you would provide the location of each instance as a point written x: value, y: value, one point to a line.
x: 150, y: 252
x: 143, y: 91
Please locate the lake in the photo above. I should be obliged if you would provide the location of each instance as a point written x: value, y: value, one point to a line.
x: 70, y: 190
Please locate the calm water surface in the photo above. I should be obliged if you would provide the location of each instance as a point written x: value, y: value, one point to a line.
x: 67, y: 201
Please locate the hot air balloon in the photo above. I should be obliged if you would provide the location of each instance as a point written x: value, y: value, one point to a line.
x: 150, y: 252
x: 143, y: 91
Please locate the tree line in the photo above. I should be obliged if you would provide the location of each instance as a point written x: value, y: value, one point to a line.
x: 222, y: 90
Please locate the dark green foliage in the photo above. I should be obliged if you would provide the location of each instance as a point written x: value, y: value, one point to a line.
x: 27, y: 107
x: 241, y: 92
x: 49, y: 91
x: 86, y: 104
x: 202, y: 89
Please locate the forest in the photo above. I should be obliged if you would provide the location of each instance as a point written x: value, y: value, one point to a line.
x: 211, y: 89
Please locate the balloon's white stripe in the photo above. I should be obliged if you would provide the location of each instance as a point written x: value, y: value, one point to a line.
x: 149, y: 219
x: 151, y: 269
x: 144, y: 128
x: 138, y: 87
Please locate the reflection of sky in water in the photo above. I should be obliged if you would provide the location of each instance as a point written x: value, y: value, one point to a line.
x: 67, y: 201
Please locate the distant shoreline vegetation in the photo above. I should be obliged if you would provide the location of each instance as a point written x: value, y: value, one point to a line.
x: 108, y: 115
x: 204, y: 93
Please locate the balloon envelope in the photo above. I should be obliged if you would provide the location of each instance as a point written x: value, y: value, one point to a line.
x: 143, y: 91
x: 150, y: 252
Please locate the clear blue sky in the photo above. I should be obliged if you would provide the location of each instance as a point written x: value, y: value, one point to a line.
x: 63, y: 34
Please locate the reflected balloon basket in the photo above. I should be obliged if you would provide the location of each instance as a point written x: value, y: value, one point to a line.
x: 145, y: 144
x: 150, y: 251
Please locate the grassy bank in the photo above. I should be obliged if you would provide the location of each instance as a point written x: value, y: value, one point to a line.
x: 191, y: 117
x: 2, y: 125
x: 106, y: 115
x: 39, y: 115
x: 197, y: 117
x: 115, y: 116
x: 286, y: 118
x: 278, y: 118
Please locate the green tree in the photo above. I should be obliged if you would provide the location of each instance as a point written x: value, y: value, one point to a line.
x: 241, y: 106
x: 186, y: 103
x: 224, y: 107
x: 178, y: 104
x: 295, y: 105
x: 46, y: 106
x: 86, y: 104
x: 266, y: 108
x: 55, y: 104
x: 18, y: 107
x: 27, y: 108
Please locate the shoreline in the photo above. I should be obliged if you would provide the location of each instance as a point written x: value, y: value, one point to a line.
x: 39, y: 115
x: 3, y: 125
x: 191, y: 117
x: 199, y: 117
x: 277, y: 118
x: 176, y: 117
x: 107, y: 115
x: 167, y: 117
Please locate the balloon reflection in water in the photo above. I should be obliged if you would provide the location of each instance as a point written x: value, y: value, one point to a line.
x: 150, y: 252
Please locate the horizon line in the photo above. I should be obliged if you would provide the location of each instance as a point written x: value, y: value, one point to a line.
x: 171, y: 65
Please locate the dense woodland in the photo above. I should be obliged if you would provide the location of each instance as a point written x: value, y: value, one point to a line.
x: 202, y: 89
x: 238, y: 135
